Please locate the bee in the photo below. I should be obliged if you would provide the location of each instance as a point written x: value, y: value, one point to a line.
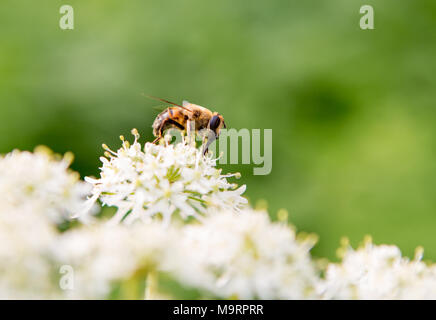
x: 178, y: 116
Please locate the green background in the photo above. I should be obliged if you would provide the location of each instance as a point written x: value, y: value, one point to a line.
x: 352, y: 111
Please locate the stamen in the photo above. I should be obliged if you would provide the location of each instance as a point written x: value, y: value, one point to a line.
x: 136, y: 134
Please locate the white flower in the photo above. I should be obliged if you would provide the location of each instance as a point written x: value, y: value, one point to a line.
x: 379, y: 272
x: 243, y: 255
x: 37, y: 190
x: 40, y: 183
x: 162, y: 180
x: 103, y: 256
x: 25, y: 270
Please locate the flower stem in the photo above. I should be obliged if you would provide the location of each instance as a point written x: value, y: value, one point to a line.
x: 151, y: 285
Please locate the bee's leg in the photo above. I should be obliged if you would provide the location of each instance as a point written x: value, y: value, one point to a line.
x: 208, y: 140
x: 156, y: 140
x: 160, y: 131
x: 203, y: 143
x: 190, y: 132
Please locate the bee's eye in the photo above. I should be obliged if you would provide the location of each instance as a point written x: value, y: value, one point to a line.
x: 214, y: 123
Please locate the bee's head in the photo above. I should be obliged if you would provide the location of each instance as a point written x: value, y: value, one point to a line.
x: 216, y: 123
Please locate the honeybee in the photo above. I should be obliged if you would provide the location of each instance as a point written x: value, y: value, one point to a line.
x: 177, y: 116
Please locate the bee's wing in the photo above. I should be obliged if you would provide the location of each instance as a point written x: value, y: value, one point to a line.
x: 188, y: 105
x: 166, y: 101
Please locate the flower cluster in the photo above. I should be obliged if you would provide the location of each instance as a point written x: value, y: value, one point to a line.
x: 229, y: 251
x: 37, y: 191
x: 246, y: 256
x: 103, y: 257
x: 162, y: 180
x: 25, y: 271
x: 379, y: 272
x: 228, y: 255
x: 40, y: 183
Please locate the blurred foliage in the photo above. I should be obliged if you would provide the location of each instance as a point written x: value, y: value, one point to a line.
x: 352, y: 111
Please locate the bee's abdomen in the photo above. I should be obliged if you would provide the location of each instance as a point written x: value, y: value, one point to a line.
x: 157, y: 124
x: 169, y: 118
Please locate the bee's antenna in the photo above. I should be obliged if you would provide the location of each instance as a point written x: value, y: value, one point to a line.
x: 166, y: 101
